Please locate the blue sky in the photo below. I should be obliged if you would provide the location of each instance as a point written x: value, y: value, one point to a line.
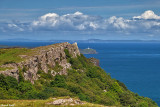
x: 80, y: 19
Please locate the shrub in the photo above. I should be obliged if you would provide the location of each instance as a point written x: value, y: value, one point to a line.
x: 57, y: 67
x: 116, y: 88
x: 32, y: 94
x: 42, y: 95
x: 24, y: 69
x: 44, y: 75
x: 11, y: 82
x: 143, y: 104
x: 74, y: 88
x: 127, y: 99
x: 93, y: 73
x: 122, y: 84
x: 3, y: 82
x: 83, y: 97
x: 67, y: 53
x: 24, y: 87
x: 3, y: 93
x: 59, y: 81
x: 20, y: 78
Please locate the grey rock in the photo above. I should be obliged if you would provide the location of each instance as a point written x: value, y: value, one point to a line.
x: 44, y: 59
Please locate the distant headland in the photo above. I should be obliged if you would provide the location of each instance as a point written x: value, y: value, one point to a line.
x: 88, y: 51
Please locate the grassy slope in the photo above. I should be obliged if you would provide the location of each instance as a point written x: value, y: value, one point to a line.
x: 85, y: 81
x: 42, y: 103
x: 12, y: 55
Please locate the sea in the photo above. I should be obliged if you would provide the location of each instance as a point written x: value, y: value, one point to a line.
x: 137, y: 65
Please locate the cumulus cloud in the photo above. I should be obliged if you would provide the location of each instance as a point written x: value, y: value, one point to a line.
x: 79, y: 21
x: 147, y: 15
x: 75, y: 21
x: 119, y: 23
x: 147, y: 22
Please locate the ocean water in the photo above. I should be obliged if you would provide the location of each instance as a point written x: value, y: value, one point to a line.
x: 137, y: 65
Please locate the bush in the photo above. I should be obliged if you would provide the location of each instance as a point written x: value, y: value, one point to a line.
x: 24, y: 87
x: 44, y: 75
x: 74, y: 88
x: 127, y: 99
x: 3, y: 82
x: 122, y: 84
x: 67, y: 53
x: 143, y: 104
x: 83, y: 97
x: 83, y: 60
x: 57, y: 67
x: 32, y: 94
x: 11, y: 82
x: 3, y: 93
x: 92, y: 73
x: 20, y: 78
x: 24, y: 69
x: 116, y: 88
x: 59, y: 81
x: 42, y: 95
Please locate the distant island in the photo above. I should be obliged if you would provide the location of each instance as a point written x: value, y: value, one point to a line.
x: 88, y: 51
x: 4, y: 46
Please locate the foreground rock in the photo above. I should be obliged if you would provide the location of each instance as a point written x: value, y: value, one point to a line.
x: 66, y: 101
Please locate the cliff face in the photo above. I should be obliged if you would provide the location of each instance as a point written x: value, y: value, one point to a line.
x: 45, y: 58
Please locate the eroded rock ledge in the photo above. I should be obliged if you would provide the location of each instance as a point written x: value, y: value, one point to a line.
x: 66, y: 101
x: 45, y: 57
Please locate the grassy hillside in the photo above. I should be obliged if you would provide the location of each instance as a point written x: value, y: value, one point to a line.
x: 84, y: 80
x: 43, y: 103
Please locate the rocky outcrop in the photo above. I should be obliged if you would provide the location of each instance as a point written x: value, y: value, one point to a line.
x: 66, y: 101
x: 94, y: 61
x: 43, y: 59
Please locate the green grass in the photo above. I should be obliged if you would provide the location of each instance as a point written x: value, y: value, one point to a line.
x: 3, y: 69
x: 42, y: 103
x: 12, y: 55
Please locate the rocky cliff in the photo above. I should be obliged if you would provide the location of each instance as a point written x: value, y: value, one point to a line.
x: 77, y: 76
x: 44, y: 58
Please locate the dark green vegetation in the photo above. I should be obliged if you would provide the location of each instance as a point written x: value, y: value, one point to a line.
x: 88, y: 51
x: 85, y: 81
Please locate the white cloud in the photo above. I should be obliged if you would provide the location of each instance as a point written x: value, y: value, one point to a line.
x: 78, y: 21
x: 81, y: 22
x: 15, y: 27
x: 75, y: 21
x: 147, y: 15
x: 119, y: 23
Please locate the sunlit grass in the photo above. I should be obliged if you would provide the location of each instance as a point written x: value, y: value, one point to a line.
x: 42, y: 103
x: 12, y: 55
